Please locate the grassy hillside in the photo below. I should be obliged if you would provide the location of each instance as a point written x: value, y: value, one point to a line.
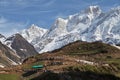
x: 62, y: 64
x: 9, y: 77
x: 79, y: 48
x: 97, y: 52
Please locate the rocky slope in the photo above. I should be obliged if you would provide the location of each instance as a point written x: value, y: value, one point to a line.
x: 14, y: 50
x: 7, y: 56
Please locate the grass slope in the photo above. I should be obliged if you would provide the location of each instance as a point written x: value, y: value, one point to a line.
x: 78, y: 48
x: 9, y: 77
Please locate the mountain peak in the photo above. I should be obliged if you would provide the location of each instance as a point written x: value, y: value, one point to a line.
x: 20, y: 45
x: 59, y: 27
x: 33, y: 26
x: 61, y: 19
x: 33, y: 32
x: 116, y: 8
x: 115, y: 11
x: 93, y: 10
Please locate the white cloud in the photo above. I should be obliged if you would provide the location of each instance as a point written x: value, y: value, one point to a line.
x: 26, y: 3
x: 24, y: 6
x: 2, y: 20
x: 49, y: 3
x: 8, y: 27
x: 11, y: 32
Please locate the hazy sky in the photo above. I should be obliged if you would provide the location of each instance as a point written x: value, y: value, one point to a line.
x: 16, y: 15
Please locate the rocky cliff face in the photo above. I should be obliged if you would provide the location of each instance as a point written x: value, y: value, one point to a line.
x: 7, y: 56
x: 23, y: 48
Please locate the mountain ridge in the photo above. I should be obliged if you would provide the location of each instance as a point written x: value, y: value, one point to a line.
x: 91, y: 24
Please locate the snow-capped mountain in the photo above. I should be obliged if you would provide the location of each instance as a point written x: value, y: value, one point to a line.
x: 32, y: 33
x: 58, y: 28
x: 81, y: 21
x: 91, y: 24
x: 106, y: 28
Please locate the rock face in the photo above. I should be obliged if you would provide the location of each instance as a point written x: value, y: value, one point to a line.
x: 21, y: 46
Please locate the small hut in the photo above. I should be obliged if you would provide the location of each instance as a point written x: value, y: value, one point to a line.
x: 38, y: 67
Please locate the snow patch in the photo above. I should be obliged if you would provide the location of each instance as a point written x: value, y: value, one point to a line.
x: 2, y: 66
x: 23, y: 50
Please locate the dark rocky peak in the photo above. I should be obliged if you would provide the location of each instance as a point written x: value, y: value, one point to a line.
x: 1, y: 36
x: 23, y: 48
